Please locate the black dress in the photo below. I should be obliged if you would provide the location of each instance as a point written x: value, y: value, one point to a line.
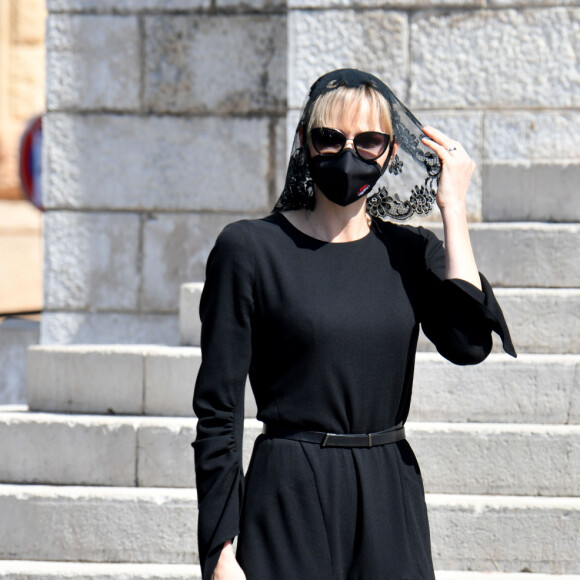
x: 328, y: 334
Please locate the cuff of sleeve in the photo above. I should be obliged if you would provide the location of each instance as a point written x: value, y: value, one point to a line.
x: 490, y: 307
x: 225, y: 507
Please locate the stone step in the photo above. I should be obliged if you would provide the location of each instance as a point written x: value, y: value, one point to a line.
x: 498, y: 459
x: 133, y: 525
x: 525, y: 254
x: 156, y: 380
x: 95, y: 450
x: 116, y: 379
x: 98, y: 524
x: 31, y: 570
x: 43, y: 570
x: 462, y: 575
x: 541, y: 320
x: 37, y: 570
x: 511, y: 534
x: 126, y: 451
x: 530, y: 389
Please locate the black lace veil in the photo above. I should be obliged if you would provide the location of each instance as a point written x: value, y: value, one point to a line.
x: 409, y: 184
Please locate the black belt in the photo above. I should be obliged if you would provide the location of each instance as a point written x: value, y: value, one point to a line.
x: 396, y: 433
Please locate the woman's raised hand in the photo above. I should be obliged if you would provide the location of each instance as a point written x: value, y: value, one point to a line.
x: 227, y: 567
x: 456, y: 169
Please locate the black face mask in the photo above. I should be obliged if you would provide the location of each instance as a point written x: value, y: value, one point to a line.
x: 343, y: 178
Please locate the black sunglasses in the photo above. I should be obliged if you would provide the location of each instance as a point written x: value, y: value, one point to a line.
x: 369, y: 145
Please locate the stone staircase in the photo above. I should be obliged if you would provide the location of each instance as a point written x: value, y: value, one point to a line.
x: 97, y: 475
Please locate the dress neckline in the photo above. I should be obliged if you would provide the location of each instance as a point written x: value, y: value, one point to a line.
x: 285, y: 222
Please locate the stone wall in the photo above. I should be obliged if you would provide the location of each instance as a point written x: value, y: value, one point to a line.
x: 168, y: 119
x: 163, y: 126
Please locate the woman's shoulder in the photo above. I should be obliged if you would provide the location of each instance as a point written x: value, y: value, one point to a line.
x: 250, y: 227
x: 248, y: 234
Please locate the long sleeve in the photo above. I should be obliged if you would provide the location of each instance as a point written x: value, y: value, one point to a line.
x: 455, y: 315
x: 226, y: 311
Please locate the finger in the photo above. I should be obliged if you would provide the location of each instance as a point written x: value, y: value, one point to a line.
x: 442, y: 152
x: 440, y: 138
x: 436, y: 135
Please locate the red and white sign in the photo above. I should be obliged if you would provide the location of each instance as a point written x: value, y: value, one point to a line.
x: 31, y: 162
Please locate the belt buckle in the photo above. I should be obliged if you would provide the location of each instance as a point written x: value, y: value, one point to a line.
x: 325, y: 439
x: 370, y: 440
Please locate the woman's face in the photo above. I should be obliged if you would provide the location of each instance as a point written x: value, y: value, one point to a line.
x: 351, y: 122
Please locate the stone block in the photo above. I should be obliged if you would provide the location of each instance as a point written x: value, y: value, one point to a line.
x: 98, y: 524
x: 505, y: 533
x: 542, y: 136
x: 28, y: 18
x: 536, y: 389
x: 385, y: 4
x: 92, y: 379
x: 215, y: 63
x: 175, y: 250
x: 543, y: 321
x: 189, y: 322
x: 455, y: 575
x: 467, y: 129
x: 377, y: 42
x: 109, y: 328
x: 170, y: 375
x: 91, y: 260
x: 16, y: 336
x: 31, y: 570
x: 500, y: 58
x: 292, y: 120
x: 250, y: 407
x: 531, y: 191
x: 490, y: 459
x: 252, y: 4
x: 526, y: 254
x: 64, y: 450
x: 93, y: 62
x: 526, y: 3
x: 119, y: 6
x: 165, y: 455
x: 163, y: 386
x: 282, y: 156
x: 157, y: 163
x: 574, y: 412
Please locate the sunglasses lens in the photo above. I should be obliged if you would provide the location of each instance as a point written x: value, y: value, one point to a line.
x: 371, y: 145
x: 327, y: 141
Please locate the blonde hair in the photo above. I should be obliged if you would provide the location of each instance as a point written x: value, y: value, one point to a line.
x: 346, y: 98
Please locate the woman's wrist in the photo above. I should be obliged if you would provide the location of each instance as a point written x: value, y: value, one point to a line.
x: 227, y: 566
x: 227, y: 553
x: 453, y: 210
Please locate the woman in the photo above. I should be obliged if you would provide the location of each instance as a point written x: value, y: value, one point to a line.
x: 321, y: 303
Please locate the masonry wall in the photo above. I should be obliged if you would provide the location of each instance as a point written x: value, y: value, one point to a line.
x: 168, y: 119
x: 163, y: 124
